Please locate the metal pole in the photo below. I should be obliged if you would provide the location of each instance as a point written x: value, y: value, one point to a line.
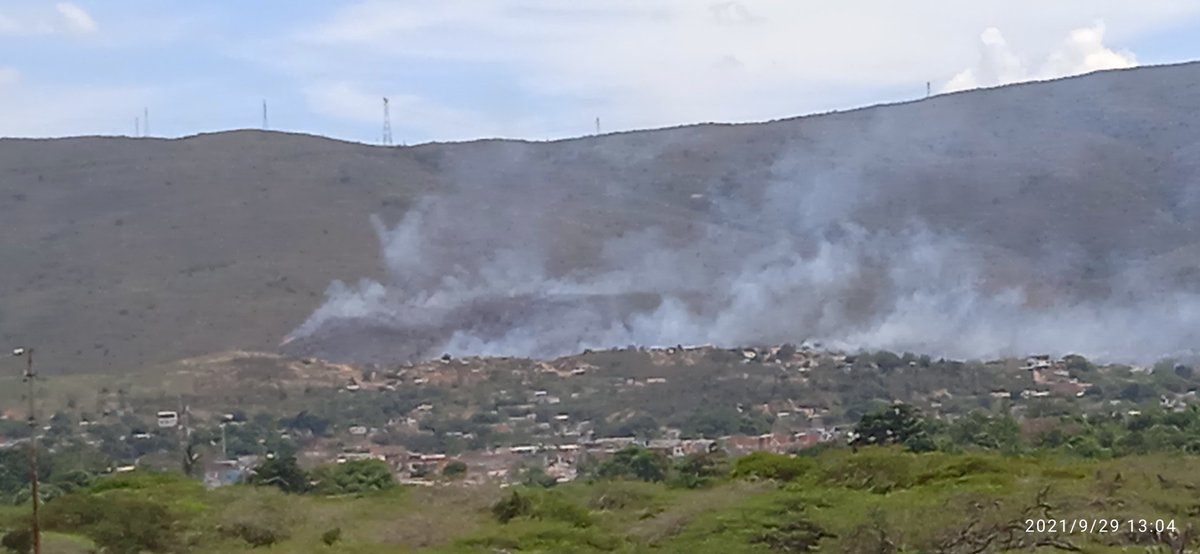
x: 33, y: 452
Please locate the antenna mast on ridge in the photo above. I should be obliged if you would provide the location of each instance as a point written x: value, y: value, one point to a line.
x: 264, y: 124
x: 146, y: 120
x: 387, y: 124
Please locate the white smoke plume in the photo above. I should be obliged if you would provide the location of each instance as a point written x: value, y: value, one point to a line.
x: 481, y: 271
x: 1082, y: 52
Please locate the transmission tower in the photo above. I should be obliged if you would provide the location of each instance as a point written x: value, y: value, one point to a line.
x: 264, y: 124
x: 387, y: 124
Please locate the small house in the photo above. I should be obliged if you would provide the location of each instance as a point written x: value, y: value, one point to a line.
x: 168, y: 419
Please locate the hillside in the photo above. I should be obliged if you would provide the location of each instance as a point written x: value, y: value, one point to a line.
x: 894, y: 226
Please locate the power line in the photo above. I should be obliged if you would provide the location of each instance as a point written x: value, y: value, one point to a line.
x: 387, y: 124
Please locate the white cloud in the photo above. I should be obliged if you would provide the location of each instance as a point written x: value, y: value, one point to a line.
x: 1083, y: 52
x: 9, y: 76
x: 76, y: 18
x: 641, y: 63
x: 65, y: 19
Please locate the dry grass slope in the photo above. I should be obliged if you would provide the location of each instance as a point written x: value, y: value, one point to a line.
x: 125, y: 253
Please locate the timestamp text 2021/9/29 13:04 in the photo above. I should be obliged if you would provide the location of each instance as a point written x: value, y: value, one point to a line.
x: 1099, y: 525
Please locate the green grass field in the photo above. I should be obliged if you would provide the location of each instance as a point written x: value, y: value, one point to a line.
x: 873, y: 500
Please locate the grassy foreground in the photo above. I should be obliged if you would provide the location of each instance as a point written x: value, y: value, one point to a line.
x: 873, y: 500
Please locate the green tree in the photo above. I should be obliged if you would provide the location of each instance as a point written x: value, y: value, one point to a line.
x: 722, y: 422
x: 455, y: 470
x: 73, y: 480
x: 642, y: 426
x: 512, y: 506
x: 896, y: 424
x: 308, y: 422
x: 982, y: 430
x: 282, y: 472
x: 701, y: 469
x: 14, y: 470
x: 1137, y: 392
x: 637, y: 463
x: 887, y: 361
x: 120, y: 522
x: 354, y: 477
x: 190, y: 460
x: 1088, y: 446
x: 535, y: 477
x: 1077, y: 364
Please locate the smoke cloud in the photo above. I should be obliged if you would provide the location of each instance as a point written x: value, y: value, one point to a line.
x: 514, y: 262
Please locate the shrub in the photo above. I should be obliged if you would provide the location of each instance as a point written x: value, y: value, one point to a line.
x: 960, y: 466
x: 332, y: 536
x: 19, y: 541
x: 254, y: 534
x: 536, y: 477
x: 620, y: 495
x: 283, y: 472
x: 259, y: 517
x: 544, y: 505
x: 791, y: 536
x: 512, y: 506
x: 455, y: 470
x: 766, y: 465
x: 120, y: 522
x: 875, y: 469
x: 553, y: 506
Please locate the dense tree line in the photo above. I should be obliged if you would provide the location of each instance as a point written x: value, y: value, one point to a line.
x: 1087, y: 435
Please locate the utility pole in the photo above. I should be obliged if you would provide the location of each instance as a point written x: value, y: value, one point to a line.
x: 597, y: 125
x: 33, y: 447
x: 928, y: 89
x: 146, y: 119
x: 264, y: 125
x: 190, y: 456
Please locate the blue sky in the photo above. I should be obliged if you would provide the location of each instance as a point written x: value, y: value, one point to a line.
x: 536, y: 69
